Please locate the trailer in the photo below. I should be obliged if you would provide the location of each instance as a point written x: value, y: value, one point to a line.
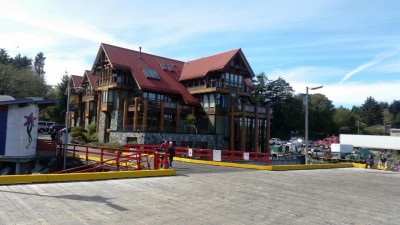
x: 342, y: 148
x: 371, y: 141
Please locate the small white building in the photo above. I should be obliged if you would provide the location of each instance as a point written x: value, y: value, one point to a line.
x: 18, y: 131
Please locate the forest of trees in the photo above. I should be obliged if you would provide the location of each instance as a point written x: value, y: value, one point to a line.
x: 324, y: 118
x: 21, y: 77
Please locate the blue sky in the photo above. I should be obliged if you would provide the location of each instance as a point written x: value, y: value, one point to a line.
x: 351, y: 47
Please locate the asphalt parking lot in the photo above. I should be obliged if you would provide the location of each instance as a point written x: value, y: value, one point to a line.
x: 202, y: 194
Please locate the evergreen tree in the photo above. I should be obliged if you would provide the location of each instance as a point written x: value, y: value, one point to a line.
x: 38, y: 65
x: 17, y: 79
x: 371, y: 112
x: 320, y: 117
x: 4, y: 57
x: 22, y: 62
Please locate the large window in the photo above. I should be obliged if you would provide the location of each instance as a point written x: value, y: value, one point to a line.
x: 205, y: 101
x: 107, y: 96
x: 212, y: 102
x: 232, y: 80
x: 104, y: 97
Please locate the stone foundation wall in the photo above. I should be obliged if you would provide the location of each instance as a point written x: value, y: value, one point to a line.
x: 101, y: 127
x: 157, y: 138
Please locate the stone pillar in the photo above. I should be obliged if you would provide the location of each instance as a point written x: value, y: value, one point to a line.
x: 98, y: 111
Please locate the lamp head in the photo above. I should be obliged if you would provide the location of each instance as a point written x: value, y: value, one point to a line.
x: 315, y: 88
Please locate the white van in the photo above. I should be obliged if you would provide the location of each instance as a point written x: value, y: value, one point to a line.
x: 43, y: 126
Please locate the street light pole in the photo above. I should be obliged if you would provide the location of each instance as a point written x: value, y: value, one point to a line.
x: 67, y: 125
x: 66, y: 129
x: 306, y: 123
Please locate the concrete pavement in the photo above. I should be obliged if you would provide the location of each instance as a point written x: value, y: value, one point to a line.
x: 202, y: 194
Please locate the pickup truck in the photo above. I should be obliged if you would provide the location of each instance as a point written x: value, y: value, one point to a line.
x: 275, y: 141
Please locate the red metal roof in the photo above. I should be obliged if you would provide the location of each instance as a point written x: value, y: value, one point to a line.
x: 137, y: 61
x: 91, y: 78
x: 76, y: 80
x: 169, y: 81
x: 200, y: 67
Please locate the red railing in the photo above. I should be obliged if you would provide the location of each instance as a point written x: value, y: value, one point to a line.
x: 100, y: 166
x: 138, y: 154
x: 109, y: 157
x: 207, y: 154
x: 160, y: 157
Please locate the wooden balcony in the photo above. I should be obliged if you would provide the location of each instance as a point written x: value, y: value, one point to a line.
x: 88, y: 98
x: 227, y: 90
x: 201, y: 89
x: 113, y: 85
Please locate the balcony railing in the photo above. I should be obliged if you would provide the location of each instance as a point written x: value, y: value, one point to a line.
x: 86, y: 98
x: 165, y: 129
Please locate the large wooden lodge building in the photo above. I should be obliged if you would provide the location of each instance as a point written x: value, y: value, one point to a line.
x: 135, y: 97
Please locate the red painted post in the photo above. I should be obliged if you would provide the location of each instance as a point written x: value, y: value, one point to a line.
x: 156, y: 161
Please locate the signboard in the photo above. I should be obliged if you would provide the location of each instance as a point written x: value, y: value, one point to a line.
x: 190, y: 152
x: 246, y: 156
x: 217, y: 155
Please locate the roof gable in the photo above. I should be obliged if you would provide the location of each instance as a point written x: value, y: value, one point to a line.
x: 137, y: 62
x: 75, y: 81
x: 89, y: 78
x: 201, y: 67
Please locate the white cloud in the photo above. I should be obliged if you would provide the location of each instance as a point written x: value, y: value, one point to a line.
x: 379, y: 58
x: 56, y: 67
x: 303, y: 74
x: 353, y: 94
x: 24, y: 43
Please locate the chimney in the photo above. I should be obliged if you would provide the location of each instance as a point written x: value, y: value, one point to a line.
x: 140, y: 51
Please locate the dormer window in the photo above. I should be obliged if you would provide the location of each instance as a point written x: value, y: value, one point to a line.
x: 150, y: 73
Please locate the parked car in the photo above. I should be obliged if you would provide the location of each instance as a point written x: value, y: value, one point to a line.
x: 275, y: 141
x: 43, y: 126
x: 316, y: 153
x: 56, y: 128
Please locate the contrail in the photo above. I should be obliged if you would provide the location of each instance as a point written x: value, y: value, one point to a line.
x: 379, y: 58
